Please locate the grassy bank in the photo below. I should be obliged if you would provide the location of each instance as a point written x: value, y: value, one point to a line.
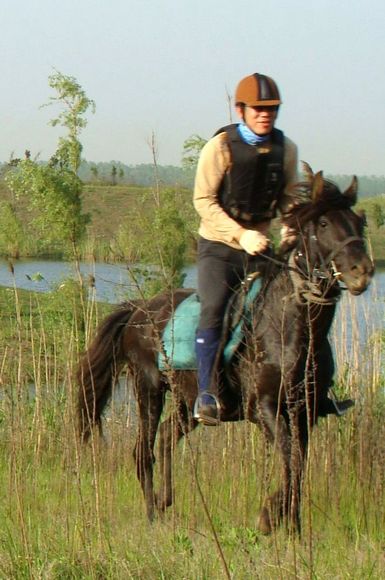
x: 117, y: 230
x: 69, y: 512
x: 122, y: 204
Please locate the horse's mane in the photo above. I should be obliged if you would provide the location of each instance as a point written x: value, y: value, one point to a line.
x: 305, y: 211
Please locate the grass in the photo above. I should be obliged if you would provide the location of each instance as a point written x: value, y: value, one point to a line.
x: 72, y: 512
x: 64, y: 516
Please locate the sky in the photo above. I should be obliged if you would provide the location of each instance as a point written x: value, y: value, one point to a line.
x: 167, y: 67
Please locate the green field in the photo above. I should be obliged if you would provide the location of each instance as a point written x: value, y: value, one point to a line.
x: 72, y: 512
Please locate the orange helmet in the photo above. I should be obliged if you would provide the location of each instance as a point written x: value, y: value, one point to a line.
x: 257, y: 90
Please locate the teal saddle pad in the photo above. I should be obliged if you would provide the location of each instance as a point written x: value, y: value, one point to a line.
x: 179, y: 334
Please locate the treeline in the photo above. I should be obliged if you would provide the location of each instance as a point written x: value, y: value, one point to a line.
x: 369, y: 185
x: 145, y: 174
x: 116, y: 172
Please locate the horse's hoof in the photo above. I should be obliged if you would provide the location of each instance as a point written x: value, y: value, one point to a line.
x: 264, y: 524
x: 163, y: 502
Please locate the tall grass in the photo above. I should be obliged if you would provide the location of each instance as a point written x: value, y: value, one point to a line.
x: 69, y: 512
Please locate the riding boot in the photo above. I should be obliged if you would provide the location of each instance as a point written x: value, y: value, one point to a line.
x: 206, y: 407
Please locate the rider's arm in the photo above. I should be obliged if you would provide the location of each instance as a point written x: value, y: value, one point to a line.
x: 213, y: 163
x: 290, y: 164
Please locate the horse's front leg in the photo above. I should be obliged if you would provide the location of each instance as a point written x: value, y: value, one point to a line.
x: 284, y: 504
x: 178, y: 424
x: 299, y: 441
x: 276, y: 431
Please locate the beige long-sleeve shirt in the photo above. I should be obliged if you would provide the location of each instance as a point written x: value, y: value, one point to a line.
x: 216, y: 224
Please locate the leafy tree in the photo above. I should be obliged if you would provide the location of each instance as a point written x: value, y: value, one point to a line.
x: 114, y: 172
x: 11, y: 231
x: 378, y: 215
x: 191, y: 151
x: 75, y: 104
x: 95, y: 172
x: 54, y: 202
x: 52, y: 191
x: 157, y: 236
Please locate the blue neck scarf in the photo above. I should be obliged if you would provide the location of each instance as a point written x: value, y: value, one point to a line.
x: 249, y: 136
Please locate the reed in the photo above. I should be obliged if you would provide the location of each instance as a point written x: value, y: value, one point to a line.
x: 72, y: 512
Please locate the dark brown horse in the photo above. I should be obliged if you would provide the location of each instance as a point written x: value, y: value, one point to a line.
x: 282, y: 371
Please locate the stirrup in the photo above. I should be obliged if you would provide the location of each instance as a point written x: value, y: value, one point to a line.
x: 340, y: 406
x: 206, y: 409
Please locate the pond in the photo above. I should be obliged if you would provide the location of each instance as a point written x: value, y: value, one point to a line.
x: 113, y: 285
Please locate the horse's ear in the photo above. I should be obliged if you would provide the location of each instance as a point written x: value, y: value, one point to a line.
x: 362, y: 214
x: 318, y: 187
x: 308, y: 172
x: 352, y: 191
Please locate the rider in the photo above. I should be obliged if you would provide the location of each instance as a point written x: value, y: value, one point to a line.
x: 243, y: 177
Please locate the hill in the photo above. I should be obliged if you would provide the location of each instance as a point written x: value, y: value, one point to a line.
x: 114, y: 211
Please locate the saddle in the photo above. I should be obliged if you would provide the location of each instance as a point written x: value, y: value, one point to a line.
x: 178, y: 337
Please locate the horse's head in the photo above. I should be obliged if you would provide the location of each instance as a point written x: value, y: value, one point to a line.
x: 330, y: 233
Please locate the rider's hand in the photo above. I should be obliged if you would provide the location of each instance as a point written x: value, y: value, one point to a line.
x: 253, y: 242
x: 288, y: 237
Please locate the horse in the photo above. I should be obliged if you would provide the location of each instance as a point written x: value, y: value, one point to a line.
x: 281, y: 372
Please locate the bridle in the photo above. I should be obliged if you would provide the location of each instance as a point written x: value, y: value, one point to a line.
x: 311, y: 289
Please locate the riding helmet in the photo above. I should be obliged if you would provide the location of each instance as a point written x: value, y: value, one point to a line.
x: 257, y: 90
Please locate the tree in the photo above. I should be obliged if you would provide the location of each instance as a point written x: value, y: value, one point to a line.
x: 53, y: 191
x: 95, y: 172
x: 158, y: 236
x: 114, y: 172
x: 11, y: 231
x: 75, y: 104
x: 53, y: 196
x: 191, y: 151
x: 378, y: 215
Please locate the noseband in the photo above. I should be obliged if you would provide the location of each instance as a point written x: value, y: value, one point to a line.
x: 340, y: 247
x: 309, y: 290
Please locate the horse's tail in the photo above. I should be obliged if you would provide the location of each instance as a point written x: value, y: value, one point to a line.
x: 99, y: 368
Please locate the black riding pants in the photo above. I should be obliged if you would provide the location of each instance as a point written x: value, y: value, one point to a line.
x: 220, y: 271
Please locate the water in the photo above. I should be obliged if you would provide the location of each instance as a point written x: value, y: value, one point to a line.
x: 113, y: 285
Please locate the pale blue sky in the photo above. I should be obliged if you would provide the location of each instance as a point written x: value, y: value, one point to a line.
x: 165, y: 66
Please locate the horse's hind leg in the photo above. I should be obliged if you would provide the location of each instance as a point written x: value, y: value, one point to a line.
x: 171, y: 431
x: 150, y: 403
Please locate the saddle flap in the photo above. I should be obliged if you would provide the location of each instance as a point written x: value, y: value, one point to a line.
x: 179, y: 334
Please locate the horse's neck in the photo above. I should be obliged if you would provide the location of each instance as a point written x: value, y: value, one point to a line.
x: 316, y: 318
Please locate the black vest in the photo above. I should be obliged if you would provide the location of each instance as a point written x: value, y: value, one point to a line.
x: 250, y: 189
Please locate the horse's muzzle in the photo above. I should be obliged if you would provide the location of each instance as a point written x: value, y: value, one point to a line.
x: 358, y: 277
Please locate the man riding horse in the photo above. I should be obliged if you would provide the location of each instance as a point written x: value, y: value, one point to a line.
x: 244, y: 176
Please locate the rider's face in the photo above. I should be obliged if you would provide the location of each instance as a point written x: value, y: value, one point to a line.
x: 259, y: 119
